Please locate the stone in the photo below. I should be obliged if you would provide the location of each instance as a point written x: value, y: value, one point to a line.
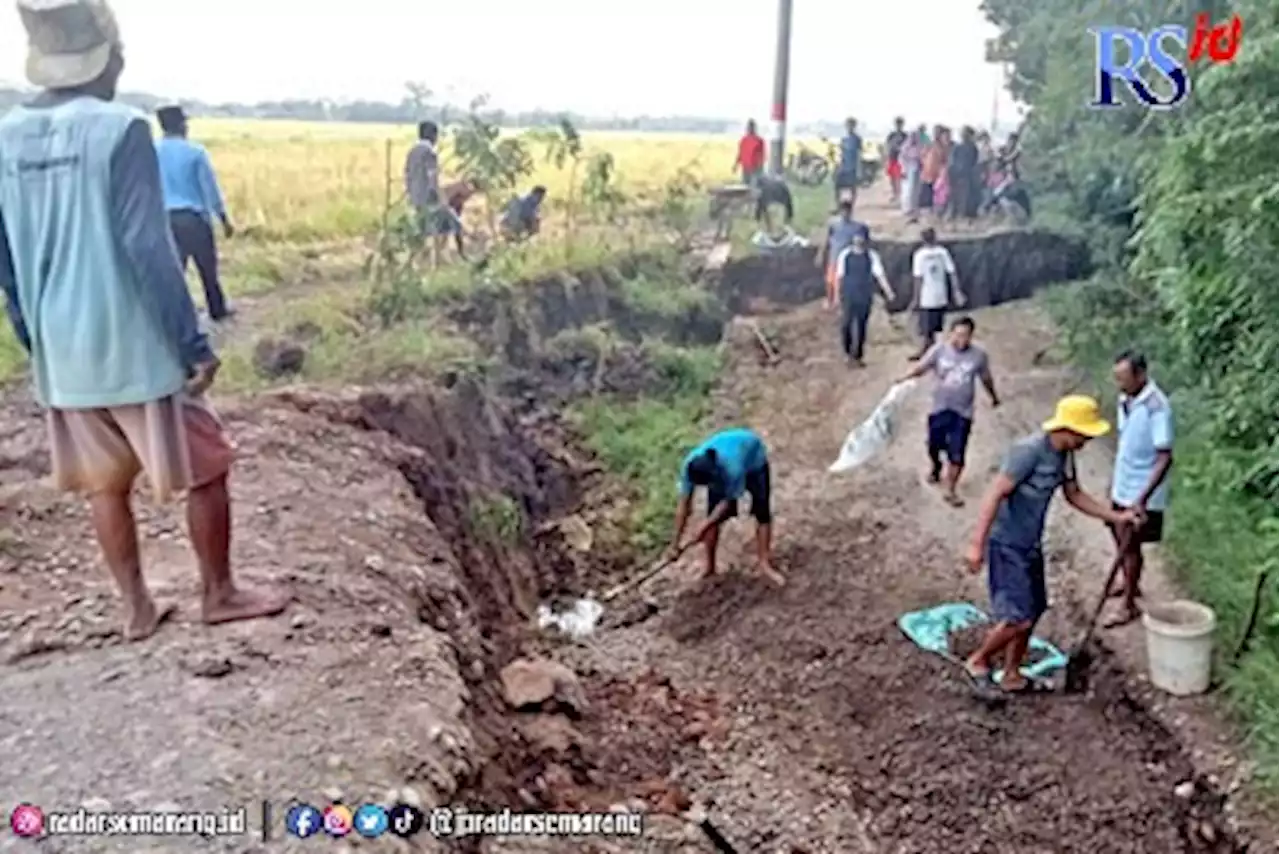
x: 274, y: 358
x: 551, y: 733
x: 531, y: 682
x: 1185, y: 789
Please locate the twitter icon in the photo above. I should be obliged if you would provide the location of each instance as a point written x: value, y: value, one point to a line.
x: 371, y: 821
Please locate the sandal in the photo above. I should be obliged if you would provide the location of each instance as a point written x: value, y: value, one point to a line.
x: 953, y: 499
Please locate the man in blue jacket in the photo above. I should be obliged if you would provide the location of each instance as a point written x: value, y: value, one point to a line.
x: 727, y: 464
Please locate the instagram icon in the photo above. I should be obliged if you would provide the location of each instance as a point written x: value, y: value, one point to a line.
x: 27, y: 821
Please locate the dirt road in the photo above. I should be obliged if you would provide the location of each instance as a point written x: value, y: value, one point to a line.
x: 802, y: 714
x: 846, y: 737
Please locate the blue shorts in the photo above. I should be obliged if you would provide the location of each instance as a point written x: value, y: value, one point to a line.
x: 949, y: 433
x: 1015, y: 582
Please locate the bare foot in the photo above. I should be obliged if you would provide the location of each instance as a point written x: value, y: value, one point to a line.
x: 144, y: 622
x: 773, y: 575
x: 1124, y: 618
x: 953, y: 499
x: 245, y: 604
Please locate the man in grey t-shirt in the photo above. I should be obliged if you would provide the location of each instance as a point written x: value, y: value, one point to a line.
x: 1011, y: 527
x: 958, y: 364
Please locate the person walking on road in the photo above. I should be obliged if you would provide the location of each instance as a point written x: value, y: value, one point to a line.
x: 96, y: 296
x: 933, y: 272
x: 750, y: 159
x: 192, y: 197
x: 1010, y: 529
x: 893, y: 144
x: 1144, y: 420
x: 911, y: 157
x: 840, y: 231
x: 860, y: 271
x: 727, y: 464
x: 850, y: 167
x: 958, y: 364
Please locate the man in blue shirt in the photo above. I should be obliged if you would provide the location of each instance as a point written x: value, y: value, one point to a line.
x: 1144, y: 420
x: 96, y: 296
x: 727, y: 464
x: 1010, y: 529
x: 850, y: 164
x: 192, y: 197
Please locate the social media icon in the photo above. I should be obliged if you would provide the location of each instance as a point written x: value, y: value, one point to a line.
x: 303, y: 820
x: 405, y: 821
x: 27, y: 820
x: 337, y: 820
x: 372, y: 821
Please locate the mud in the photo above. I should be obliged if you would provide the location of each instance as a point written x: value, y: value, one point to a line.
x: 993, y: 269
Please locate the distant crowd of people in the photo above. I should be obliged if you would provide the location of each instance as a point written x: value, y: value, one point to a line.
x: 932, y: 171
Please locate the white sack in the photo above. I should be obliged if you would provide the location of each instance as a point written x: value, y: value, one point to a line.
x: 873, y: 435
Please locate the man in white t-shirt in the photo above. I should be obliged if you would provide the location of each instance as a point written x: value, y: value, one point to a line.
x: 934, y: 273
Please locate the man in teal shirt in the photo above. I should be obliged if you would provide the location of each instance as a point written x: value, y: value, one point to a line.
x: 727, y: 464
x: 96, y: 296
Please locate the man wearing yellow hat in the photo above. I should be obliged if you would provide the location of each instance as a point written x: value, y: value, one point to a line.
x: 1011, y: 527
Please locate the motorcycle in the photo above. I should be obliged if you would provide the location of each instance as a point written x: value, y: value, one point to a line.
x: 808, y: 168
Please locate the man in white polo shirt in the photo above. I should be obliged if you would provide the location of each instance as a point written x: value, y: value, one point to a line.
x: 934, y: 272
x: 1144, y: 455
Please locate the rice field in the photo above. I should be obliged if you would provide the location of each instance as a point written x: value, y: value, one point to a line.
x: 298, y: 181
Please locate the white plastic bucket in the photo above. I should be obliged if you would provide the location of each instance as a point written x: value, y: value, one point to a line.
x: 1180, y: 646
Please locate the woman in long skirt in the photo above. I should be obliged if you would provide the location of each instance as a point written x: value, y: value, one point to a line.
x: 910, y: 158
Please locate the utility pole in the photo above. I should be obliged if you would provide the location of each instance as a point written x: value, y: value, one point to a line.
x: 783, y: 65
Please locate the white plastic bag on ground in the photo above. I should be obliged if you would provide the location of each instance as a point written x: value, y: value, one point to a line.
x: 874, y: 434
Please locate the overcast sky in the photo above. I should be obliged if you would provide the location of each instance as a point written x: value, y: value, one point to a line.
x: 921, y: 58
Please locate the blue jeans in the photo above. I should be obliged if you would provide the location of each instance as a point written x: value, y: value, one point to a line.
x: 1015, y: 582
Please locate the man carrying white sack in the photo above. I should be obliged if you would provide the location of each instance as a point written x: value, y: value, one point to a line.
x: 958, y: 364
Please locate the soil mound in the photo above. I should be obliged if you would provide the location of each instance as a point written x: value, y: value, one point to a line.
x: 993, y: 269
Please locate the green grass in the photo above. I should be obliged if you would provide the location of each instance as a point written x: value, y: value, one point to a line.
x: 1217, y: 539
x: 496, y: 518
x: 642, y: 442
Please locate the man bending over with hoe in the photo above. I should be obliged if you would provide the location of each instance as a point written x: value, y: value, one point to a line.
x: 1011, y: 527
x: 728, y: 464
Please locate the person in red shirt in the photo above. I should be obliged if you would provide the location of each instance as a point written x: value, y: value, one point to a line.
x: 750, y: 155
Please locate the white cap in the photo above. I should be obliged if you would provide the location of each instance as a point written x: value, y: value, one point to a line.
x: 69, y: 42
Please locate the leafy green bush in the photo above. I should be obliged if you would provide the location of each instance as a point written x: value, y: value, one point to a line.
x: 1180, y: 207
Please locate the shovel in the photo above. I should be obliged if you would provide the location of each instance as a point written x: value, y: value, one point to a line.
x: 1252, y: 625
x: 644, y: 576
x: 1081, y: 659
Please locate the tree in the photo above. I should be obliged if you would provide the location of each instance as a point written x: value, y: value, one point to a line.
x: 494, y: 163
x: 562, y: 145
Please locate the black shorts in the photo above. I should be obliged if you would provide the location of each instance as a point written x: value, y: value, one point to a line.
x: 1150, y: 531
x: 949, y: 433
x: 757, y: 488
x: 932, y: 320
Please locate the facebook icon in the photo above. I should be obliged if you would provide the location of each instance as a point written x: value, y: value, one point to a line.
x: 1141, y: 47
x: 302, y: 820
